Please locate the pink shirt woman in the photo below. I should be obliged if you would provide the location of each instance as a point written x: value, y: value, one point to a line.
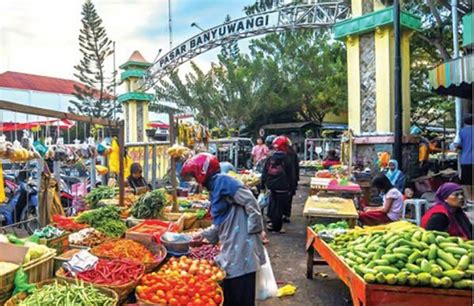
x: 259, y: 151
x: 390, y: 211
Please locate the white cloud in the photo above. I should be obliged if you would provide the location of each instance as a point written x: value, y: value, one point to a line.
x: 41, y: 36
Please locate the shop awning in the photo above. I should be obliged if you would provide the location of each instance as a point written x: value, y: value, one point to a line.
x: 454, y: 78
x: 63, y: 124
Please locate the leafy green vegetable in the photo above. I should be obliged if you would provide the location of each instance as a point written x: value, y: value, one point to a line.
x: 113, y: 228
x: 336, y: 225
x: 98, y: 217
x: 99, y: 193
x: 150, y: 205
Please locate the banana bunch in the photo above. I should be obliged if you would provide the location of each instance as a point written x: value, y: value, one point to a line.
x: 16, y: 154
x: 178, y: 152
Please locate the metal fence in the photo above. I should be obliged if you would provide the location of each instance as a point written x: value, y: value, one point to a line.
x: 152, y: 156
x: 317, y: 148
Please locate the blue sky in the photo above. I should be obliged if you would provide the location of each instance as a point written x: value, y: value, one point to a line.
x: 40, y: 37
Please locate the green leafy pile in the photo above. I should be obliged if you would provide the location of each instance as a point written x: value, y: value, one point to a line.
x: 150, y: 205
x: 105, y: 219
x: 99, y: 193
x: 113, y: 228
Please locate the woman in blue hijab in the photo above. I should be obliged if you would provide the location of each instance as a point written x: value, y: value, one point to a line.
x: 395, y: 175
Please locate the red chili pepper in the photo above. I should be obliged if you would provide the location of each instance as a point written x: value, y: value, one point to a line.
x: 112, y: 272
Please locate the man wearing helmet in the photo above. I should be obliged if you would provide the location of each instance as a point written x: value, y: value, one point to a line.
x: 279, y: 177
x: 237, y: 225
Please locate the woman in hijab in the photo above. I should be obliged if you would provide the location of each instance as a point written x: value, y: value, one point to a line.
x: 136, y: 181
x: 395, y: 175
x: 447, y: 214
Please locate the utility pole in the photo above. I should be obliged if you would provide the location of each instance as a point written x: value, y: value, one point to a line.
x: 397, y: 147
x: 170, y: 24
x: 458, y: 105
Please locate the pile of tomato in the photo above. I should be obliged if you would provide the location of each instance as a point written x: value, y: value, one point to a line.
x: 173, y: 288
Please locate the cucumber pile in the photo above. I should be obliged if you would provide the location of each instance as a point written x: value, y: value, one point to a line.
x: 411, y: 257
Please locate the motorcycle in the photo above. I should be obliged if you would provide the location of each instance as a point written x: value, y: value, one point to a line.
x: 22, y: 207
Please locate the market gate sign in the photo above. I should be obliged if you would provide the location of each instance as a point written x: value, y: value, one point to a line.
x: 220, y: 32
x: 286, y: 17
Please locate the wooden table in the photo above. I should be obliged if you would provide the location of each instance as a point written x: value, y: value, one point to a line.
x: 371, y: 294
x: 330, y: 207
x: 327, y: 184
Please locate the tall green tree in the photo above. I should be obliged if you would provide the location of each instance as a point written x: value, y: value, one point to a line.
x: 230, y: 50
x: 95, y: 98
x: 430, y: 47
x: 307, y: 71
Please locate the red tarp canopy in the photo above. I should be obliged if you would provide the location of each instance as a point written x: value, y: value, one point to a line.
x: 63, y: 124
x: 158, y: 125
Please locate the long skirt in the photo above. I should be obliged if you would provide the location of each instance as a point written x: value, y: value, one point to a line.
x: 374, y: 218
x: 240, y: 291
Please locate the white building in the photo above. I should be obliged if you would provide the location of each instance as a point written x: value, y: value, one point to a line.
x: 34, y: 90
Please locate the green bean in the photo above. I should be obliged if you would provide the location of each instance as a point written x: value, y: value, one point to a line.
x: 67, y: 294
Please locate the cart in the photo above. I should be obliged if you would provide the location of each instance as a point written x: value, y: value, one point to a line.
x: 370, y: 294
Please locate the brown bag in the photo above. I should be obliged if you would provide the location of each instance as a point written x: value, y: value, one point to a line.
x: 49, y: 200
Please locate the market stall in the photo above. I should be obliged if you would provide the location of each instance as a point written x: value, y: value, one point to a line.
x: 383, y: 265
x: 330, y: 207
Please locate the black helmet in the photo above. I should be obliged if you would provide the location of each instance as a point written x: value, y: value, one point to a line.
x: 269, y: 140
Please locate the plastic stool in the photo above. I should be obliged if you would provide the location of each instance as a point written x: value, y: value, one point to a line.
x: 418, y: 204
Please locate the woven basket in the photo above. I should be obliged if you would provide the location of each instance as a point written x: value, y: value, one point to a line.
x: 41, y: 268
x: 6, y: 285
x: 122, y: 291
x: 15, y: 300
x: 158, y: 250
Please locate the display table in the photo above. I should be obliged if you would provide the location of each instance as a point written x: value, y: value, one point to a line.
x: 328, y: 184
x: 371, y: 294
x: 330, y: 207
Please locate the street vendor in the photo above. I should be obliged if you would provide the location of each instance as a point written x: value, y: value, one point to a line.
x: 395, y: 175
x: 136, y: 181
x: 391, y: 209
x: 331, y: 159
x: 237, y: 225
x: 447, y: 214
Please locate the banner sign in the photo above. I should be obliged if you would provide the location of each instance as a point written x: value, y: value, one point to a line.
x: 220, y: 32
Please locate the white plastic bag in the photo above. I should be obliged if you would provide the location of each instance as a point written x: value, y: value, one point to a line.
x: 265, y: 285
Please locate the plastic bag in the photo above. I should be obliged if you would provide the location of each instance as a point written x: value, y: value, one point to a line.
x: 21, y: 282
x: 265, y: 284
x: 263, y: 199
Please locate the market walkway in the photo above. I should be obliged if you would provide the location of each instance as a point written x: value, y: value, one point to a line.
x: 288, y: 257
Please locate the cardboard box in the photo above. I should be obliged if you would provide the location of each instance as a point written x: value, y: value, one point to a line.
x: 12, y: 253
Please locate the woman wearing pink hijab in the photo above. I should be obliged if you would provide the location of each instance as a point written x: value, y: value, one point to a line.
x: 447, y: 214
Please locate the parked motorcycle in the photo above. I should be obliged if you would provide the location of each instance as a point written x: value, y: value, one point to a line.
x: 22, y: 207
